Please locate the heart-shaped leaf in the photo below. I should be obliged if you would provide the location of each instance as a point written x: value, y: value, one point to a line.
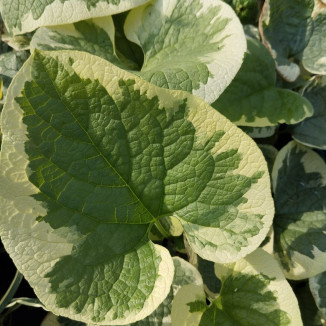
x: 92, y: 157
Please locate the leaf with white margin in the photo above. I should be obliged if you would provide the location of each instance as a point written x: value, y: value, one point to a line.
x: 191, y: 45
x: 184, y: 273
x: 95, y: 36
x: 317, y: 286
x: 91, y: 157
x: 314, y: 55
x: 254, y: 292
x: 311, y: 131
x: 285, y: 28
x: 188, y: 296
x: 252, y: 98
x: 21, y: 16
x: 299, y: 183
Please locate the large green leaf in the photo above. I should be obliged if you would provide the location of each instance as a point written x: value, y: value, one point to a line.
x: 252, y: 98
x: 314, y: 55
x: 21, y: 16
x: 299, y: 182
x: 92, y: 157
x: 317, y: 286
x: 311, y: 132
x: 194, y: 45
x: 254, y: 292
x: 286, y: 27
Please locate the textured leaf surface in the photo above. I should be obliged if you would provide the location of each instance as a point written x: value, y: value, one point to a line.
x: 317, y: 286
x: 299, y: 178
x: 314, y: 55
x: 311, y: 131
x: 252, y: 98
x: 92, y: 156
x: 95, y: 36
x: 254, y: 292
x: 194, y: 45
x: 184, y: 273
x: 286, y: 27
x: 21, y: 16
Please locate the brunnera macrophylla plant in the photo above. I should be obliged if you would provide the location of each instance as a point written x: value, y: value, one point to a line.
x: 121, y: 129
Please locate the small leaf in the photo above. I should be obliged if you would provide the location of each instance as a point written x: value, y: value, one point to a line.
x: 21, y: 16
x: 259, y: 132
x: 201, y: 53
x: 311, y: 131
x: 299, y: 183
x: 317, y: 286
x: 184, y: 273
x: 314, y: 55
x: 254, y: 292
x: 252, y: 98
x: 10, y: 63
x: 286, y: 27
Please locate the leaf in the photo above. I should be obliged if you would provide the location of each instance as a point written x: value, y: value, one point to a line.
x: 21, y: 16
x: 212, y: 285
x: 10, y: 63
x: 252, y: 98
x: 184, y: 273
x: 317, y: 286
x: 201, y: 53
x: 299, y: 178
x: 95, y: 36
x: 254, y: 292
x: 259, y: 132
x: 188, y: 297
x: 91, y: 157
x: 314, y: 55
x: 311, y: 131
x: 286, y: 27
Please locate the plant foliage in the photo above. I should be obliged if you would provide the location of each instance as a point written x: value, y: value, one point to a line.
x: 129, y: 194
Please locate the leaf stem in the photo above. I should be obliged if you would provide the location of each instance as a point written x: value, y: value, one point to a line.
x: 11, y: 291
x: 161, y: 229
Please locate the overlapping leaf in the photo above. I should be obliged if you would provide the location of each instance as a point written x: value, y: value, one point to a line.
x: 252, y: 98
x: 91, y: 157
x: 311, y: 131
x: 21, y: 16
x: 286, y: 27
x: 195, y: 45
x: 254, y: 292
x: 317, y: 286
x: 184, y: 273
x: 95, y: 36
x: 299, y: 178
x: 314, y: 55
x: 10, y: 63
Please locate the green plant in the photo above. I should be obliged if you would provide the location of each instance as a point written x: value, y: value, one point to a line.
x: 121, y: 160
